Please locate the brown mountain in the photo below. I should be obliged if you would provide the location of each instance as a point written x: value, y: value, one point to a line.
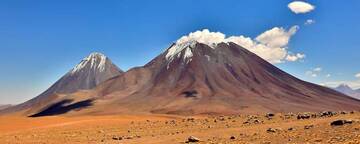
x: 91, y: 71
x: 195, y: 78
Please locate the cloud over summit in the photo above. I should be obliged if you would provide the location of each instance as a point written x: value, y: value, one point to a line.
x: 272, y: 45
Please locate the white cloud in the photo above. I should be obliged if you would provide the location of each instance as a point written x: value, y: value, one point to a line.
x: 314, y: 72
x: 355, y: 84
x: 309, y: 22
x: 295, y: 57
x: 328, y: 75
x: 318, y: 69
x: 270, y: 45
x: 277, y: 37
x: 204, y: 36
x: 300, y: 7
x: 357, y: 75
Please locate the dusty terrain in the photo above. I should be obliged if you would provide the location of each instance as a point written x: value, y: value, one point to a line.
x: 281, y: 128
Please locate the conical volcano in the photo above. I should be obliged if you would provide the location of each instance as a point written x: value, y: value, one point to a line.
x: 191, y: 77
x: 224, y: 78
x: 91, y: 71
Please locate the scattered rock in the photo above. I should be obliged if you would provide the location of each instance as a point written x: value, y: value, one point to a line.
x: 327, y: 114
x: 269, y: 115
x: 291, y: 129
x: 117, y: 138
x: 272, y: 130
x: 308, y: 126
x: 341, y: 122
x: 191, y: 119
x: 303, y: 116
x: 192, y: 139
x: 129, y: 137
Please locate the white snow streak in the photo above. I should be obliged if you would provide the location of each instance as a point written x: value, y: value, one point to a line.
x: 95, y: 60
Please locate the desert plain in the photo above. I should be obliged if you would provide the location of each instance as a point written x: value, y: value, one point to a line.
x: 171, y: 129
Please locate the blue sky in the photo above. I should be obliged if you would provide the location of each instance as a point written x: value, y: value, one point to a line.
x: 41, y: 40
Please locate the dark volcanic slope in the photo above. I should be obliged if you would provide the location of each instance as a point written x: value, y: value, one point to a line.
x: 223, y: 79
x: 91, y: 71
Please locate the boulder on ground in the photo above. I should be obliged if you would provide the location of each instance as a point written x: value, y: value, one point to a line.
x: 327, y: 114
x: 192, y: 139
x: 341, y: 122
x: 272, y: 130
x: 269, y: 115
x: 303, y: 116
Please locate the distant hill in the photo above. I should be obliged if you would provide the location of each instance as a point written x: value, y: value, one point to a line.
x: 343, y: 88
x: 4, y: 106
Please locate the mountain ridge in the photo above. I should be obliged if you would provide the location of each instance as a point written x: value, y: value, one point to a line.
x: 192, y: 78
x: 91, y: 71
x: 343, y: 88
x: 184, y: 85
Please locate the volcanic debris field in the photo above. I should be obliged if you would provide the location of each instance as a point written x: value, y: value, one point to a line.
x: 324, y: 127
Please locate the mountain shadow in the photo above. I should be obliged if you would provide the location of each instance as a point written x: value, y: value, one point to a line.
x: 62, y: 108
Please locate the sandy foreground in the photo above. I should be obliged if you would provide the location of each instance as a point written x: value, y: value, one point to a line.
x: 168, y: 129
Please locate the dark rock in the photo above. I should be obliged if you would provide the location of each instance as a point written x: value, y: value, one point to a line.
x: 117, y: 138
x: 341, y: 122
x: 193, y: 139
x: 327, y: 114
x: 271, y: 130
x: 308, y: 126
x: 269, y: 115
x: 232, y: 137
x: 303, y: 116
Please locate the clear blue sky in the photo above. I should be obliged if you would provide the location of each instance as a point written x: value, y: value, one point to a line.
x: 41, y: 40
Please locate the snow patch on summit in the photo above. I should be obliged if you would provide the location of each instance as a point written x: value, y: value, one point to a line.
x: 271, y: 45
x: 188, y: 42
x: 95, y: 60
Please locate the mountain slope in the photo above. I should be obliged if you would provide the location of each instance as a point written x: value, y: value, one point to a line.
x: 91, y: 71
x: 193, y: 77
x: 223, y: 78
x: 345, y: 89
x: 4, y: 106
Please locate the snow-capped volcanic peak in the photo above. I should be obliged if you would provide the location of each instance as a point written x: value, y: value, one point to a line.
x: 94, y: 60
x: 177, y: 49
x: 186, y: 43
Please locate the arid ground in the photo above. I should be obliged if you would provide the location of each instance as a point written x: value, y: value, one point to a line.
x: 167, y: 129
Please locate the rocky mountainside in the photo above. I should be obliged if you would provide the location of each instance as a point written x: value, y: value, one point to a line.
x: 345, y: 89
x: 91, y: 71
x: 193, y: 76
x: 222, y: 78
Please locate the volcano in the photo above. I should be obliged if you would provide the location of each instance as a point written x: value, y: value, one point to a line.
x: 91, y: 71
x: 199, y: 78
x: 191, y: 77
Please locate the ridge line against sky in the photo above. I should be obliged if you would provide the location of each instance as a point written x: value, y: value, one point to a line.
x: 44, y: 40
